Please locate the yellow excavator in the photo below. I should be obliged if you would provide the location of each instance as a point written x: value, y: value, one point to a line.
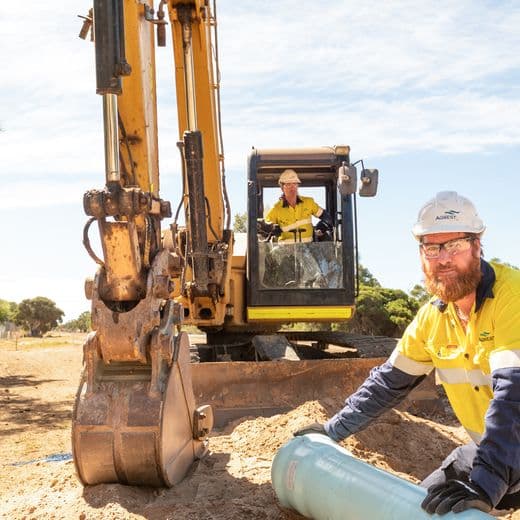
x: 145, y: 404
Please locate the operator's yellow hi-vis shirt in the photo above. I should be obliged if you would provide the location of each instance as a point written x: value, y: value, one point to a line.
x: 295, y: 222
x: 465, y: 360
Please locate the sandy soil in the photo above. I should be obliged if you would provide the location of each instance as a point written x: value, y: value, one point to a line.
x: 37, y: 386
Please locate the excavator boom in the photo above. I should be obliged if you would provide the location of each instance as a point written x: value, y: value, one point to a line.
x: 135, y: 420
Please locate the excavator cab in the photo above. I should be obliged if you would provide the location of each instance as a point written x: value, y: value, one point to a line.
x: 303, y: 280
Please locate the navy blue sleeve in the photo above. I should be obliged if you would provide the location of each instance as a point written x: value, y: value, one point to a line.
x: 496, y: 468
x: 385, y: 387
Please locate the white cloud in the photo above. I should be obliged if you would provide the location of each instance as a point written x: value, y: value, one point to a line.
x: 384, y: 77
x: 40, y: 194
x: 370, y: 46
x: 387, y: 78
x: 460, y: 123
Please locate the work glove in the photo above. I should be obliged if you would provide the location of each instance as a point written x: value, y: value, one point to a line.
x: 456, y: 496
x: 277, y: 230
x: 266, y: 228
x: 315, y: 427
x: 326, y: 220
x: 323, y: 232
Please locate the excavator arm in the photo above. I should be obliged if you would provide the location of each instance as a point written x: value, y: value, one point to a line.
x: 135, y: 420
x: 205, y: 245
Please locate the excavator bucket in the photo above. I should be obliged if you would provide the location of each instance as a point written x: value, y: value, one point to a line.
x: 126, y: 431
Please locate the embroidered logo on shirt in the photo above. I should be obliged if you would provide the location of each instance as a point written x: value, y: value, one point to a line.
x: 485, y: 336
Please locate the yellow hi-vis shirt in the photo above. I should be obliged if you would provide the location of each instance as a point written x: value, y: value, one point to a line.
x: 465, y: 360
x: 296, y: 223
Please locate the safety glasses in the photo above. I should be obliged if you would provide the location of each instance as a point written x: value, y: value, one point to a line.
x: 452, y: 247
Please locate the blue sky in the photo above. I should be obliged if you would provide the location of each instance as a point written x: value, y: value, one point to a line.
x: 427, y: 92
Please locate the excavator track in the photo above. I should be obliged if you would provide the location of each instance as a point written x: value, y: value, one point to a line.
x: 364, y: 346
x: 307, y: 345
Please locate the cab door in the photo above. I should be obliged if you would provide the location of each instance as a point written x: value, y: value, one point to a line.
x: 301, y: 281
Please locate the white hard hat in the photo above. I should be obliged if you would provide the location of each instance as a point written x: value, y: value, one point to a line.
x: 288, y: 176
x: 448, y: 212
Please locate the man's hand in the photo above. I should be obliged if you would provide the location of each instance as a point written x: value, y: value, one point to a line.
x: 323, y: 232
x: 277, y: 230
x: 311, y: 428
x: 266, y: 228
x: 263, y: 227
x: 456, y: 496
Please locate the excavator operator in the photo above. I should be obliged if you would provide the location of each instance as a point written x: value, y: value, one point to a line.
x: 290, y: 219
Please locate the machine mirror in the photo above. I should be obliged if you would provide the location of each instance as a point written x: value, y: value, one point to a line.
x: 369, y: 180
x: 347, y: 179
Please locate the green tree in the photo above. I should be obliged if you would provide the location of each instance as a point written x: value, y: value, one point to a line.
x: 240, y: 223
x: 366, y: 277
x: 401, y: 311
x: 81, y: 323
x: 38, y: 315
x: 380, y: 311
x: 4, y: 311
x: 7, y: 310
x: 84, y: 321
x: 420, y: 294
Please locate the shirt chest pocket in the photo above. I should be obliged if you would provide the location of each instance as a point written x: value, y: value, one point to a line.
x: 444, y: 351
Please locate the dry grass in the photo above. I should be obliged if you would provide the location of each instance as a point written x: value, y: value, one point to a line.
x: 52, y: 339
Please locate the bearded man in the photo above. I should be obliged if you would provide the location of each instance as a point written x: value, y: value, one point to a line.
x: 469, y: 332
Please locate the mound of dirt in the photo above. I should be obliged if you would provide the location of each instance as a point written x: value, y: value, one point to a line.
x: 36, y: 391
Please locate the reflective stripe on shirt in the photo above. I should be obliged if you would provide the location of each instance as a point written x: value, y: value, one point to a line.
x: 297, y: 224
x: 414, y: 368
x: 455, y: 376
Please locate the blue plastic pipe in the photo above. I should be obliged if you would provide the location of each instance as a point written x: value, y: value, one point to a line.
x: 321, y: 480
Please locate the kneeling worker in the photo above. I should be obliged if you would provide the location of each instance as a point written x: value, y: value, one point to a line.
x: 470, y: 333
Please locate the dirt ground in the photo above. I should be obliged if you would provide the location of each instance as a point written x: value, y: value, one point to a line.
x: 38, y: 380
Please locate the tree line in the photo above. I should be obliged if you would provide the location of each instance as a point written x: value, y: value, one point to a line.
x: 40, y: 315
x: 380, y: 311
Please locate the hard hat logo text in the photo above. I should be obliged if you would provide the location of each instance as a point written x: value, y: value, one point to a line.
x: 448, y: 215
